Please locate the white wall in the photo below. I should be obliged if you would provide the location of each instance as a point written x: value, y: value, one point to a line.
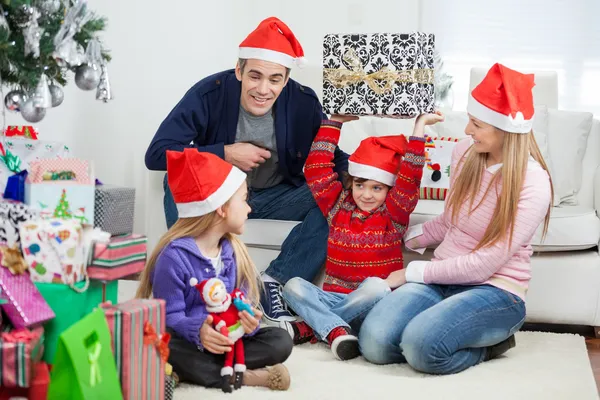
x: 160, y: 51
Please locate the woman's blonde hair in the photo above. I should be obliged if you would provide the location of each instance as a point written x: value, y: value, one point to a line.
x: 515, y: 154
x: 247, y: 275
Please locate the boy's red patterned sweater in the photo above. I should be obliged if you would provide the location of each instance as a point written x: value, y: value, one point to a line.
x: 361, y: 244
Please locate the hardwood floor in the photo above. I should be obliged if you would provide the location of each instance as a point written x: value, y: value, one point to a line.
x: 593, y: 343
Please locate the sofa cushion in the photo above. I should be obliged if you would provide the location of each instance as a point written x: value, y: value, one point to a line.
x: 571, y: 228
x: 568, y: 132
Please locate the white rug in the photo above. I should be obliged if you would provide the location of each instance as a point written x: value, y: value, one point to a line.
x: 542, y: 366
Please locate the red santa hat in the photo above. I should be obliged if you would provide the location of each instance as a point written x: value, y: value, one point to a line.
x: 378, y: 158
x: 201, y: 182
x: 504, y: 99
x: 273, y: 41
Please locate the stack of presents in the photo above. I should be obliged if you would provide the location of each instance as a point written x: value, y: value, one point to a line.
x: 65, y: 240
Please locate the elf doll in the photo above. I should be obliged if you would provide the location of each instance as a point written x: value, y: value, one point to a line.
x: 224, y: 309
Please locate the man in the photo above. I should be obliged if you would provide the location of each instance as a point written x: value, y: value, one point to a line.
x: 260, y: 120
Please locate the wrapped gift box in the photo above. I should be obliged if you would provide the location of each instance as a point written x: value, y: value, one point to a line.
x: 54, y: 250
x: 38, y: 390
x: 24, y: 304
x: 12, y: 215
x: 20, y: 349
x: 122, y: 256
x: 436, y: 173
x: 29, y: 150
x: 383, y: 74
x: 140, y: 345
x: 62, y: 188
x: 114, y: 209
x: 70, y: 306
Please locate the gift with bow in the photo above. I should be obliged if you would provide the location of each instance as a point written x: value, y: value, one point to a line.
x: 20, y: 349
x: 160, y: 342
x: 383, y: 74
x: 133, y: 322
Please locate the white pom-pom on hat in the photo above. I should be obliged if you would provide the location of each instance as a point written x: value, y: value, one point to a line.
x: 193, y: 281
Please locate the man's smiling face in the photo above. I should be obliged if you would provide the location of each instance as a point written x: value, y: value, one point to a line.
x: 262, y: 82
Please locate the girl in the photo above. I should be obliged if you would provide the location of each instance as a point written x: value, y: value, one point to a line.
x: 463, y: 307
x: 367, y: 219
x: 211, y: 199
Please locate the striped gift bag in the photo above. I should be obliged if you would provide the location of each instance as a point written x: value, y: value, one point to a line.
x: 140, y: 346
x: 19, y: 350
x: 122, y: 256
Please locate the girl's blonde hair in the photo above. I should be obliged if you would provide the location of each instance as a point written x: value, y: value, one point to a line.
x: 515, y: 154
x: 247, y: 275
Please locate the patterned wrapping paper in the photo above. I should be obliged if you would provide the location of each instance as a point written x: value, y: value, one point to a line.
x: 139, y: 343
x: 24, y: 305
x: 114, y: 209
x: 12, y: 215
x: 383, y: 74
x: 54, y: 251
x: 123, y: 256
x: 66, y: 199
x: 19, y: 351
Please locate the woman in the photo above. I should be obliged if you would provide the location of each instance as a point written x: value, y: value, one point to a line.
x: 463, y: 306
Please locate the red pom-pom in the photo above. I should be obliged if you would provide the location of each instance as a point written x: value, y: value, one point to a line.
x: 436, y: 167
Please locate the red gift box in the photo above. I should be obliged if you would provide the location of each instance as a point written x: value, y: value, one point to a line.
x: 23, y: 131
x: 38, y: 389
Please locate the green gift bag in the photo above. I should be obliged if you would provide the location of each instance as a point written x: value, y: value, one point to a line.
x: 70, y: 306
x: 84, y: 365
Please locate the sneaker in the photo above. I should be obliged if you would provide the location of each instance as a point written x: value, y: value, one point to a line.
x: 276, y: 377
x: 302, y: 333
x: 273, y: 306
x: 344, y: 345
x: 500, y: 348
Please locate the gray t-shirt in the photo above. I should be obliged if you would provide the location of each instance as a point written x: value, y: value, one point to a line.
x: 260, y: 131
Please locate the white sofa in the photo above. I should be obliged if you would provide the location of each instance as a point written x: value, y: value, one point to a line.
x: 565, y: 284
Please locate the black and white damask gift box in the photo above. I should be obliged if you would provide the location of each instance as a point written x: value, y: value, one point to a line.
x: 114, y: 209
x: 382, y: 74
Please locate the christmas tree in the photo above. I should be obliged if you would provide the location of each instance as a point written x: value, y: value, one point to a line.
x: 40, y: 42
x: 62, y: 209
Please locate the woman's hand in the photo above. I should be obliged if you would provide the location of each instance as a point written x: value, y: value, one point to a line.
x: 426, y: 119
x: 212, y: 340
x: 249, y: 322
x: 396, y: 279
x: 343, y: 118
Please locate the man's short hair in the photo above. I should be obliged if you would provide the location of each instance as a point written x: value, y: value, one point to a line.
x: 242, y: 64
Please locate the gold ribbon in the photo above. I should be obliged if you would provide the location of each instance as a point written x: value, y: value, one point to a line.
x: 93, y: 357
x: 380, y: 81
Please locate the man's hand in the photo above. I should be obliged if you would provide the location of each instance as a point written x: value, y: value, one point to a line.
x: 246, y: 156
x: 212, y: 340
x: 424, y: 120
x: 396, y: 279
x: 249, y: 322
